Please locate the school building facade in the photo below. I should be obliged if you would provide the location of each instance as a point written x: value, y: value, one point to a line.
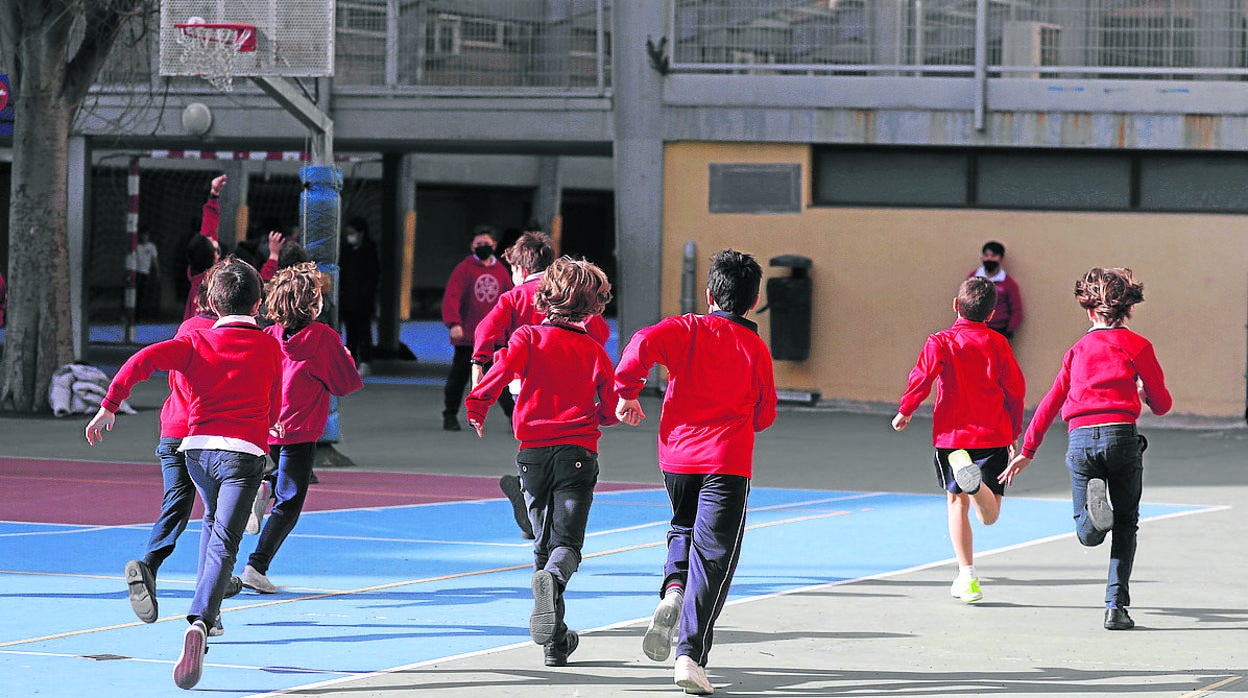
x: 885, y: 140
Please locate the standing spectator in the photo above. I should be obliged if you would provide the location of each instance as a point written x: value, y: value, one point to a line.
x: 204, y: 248
x: 473, y: 289
x: 359, y: 270
x: 146, y: 267
x: 1008, y: 314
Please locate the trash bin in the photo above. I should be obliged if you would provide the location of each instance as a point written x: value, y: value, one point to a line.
x: 788, y: 300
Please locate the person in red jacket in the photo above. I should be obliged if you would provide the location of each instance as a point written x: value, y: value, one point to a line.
x: 203, y: 250
x: 567, y: 392
x: 720, y: 391
x: 315, y: 365
x: 976, y: 420
x: 474, y: 288
x: 179, y: 490
x: 529, y: 257
x: 234, y: 374
x: 1008, y: 314
x: 1103, y: 380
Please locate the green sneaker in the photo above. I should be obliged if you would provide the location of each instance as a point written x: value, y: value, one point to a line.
x: 966, y: 589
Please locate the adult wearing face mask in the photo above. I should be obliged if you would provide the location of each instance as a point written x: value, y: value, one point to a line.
x: 1008, y: 314
x: 358, y: 271
x: 473, y: 289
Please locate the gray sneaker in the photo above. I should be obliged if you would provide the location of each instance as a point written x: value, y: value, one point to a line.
x: 142, y: 584
x: 260, y: 505
x: 965, y: 471
x: 542, y: 623
x: 657, y: 644
x: 1099, y: 511
x: 252, y: 579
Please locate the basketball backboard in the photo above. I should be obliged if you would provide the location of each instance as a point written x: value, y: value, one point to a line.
x: 287, y: 38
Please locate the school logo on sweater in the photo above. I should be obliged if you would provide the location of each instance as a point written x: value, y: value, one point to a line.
x: 486, y: 288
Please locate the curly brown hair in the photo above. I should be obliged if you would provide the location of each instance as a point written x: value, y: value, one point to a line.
x: 1110, y: 293
x: 293, y: 294
x: 572, y: 290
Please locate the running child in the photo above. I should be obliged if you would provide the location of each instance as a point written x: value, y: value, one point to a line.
x: 1103, y: 379
x: 233, y: 373
x: 529, y: 257
x: 315, y: 365
x: 976, y: 420
x: 567, y: 393
x: 720, y: 391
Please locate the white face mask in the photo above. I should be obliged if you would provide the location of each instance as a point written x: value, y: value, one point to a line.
x: 353, y: 240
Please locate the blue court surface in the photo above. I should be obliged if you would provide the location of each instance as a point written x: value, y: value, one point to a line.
x: 368, y: 590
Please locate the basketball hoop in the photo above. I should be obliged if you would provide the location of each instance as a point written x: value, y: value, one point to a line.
x: 214, y: 49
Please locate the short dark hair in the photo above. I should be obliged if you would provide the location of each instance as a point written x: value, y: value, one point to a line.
x: 977, y: 297
x: 292, y: 253
x: 994, y: 247
x: 485, y: 229
x: 200, y: 254
x: 533, y: 251
x: 733, y: 281
x: 235, y: 287
x: 1110, y: 293
x: 572, y: 290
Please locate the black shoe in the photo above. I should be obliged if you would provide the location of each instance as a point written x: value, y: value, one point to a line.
x: 313, y: 479
x: 142, y: 584
x: 510, y: 485
x: 233, y: 587
x: 557, y: 651
x: 1117, y: 619
x: 450, y: 423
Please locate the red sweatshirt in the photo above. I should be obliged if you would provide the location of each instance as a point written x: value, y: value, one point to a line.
x: 474, y: 288
x: 979, y: 387
x: 1097, y: 384
x: 174, y: 413
x: 233, y: 371
x: 1008, y: 313
x: 315, y: 365
x: 515, y: 309
x: 208, y: 225
x: 721, y: 389
x: 567, y: 389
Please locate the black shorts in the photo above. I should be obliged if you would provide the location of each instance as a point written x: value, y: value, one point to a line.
x: 991, y: 461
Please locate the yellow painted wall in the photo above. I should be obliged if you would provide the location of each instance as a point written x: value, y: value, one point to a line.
x: 885, y: 278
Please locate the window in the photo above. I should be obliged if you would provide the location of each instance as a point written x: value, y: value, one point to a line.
x: 1053, y: 180
x: 891, y: 177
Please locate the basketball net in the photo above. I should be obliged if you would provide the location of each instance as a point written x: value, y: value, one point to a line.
x: 214, y: 49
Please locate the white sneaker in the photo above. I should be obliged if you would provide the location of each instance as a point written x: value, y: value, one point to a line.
x: 966, y: 589
x: 657, y: 643
x: 692, y: 677
x: 254, y: 580
x: 261, y: 504
x: 965, y: 471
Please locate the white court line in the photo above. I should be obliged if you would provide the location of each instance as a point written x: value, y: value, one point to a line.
x: 284, y: 670
x: 752, y: 599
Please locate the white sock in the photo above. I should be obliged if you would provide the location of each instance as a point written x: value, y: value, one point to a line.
x: 966, y: 571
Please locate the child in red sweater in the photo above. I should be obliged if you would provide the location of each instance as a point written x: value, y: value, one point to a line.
x: 234, y: 374
x: 315, y: 365
x: 1103, y: 380
x: 720, y: 391
x: 567, y: 393
x: 529, y: 257
x: 179, y: 491
x: 976, y: 420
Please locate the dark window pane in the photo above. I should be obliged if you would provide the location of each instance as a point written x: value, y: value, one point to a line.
x: 890, y: 177
x: 1091, y: 181
x: 1193, y: 183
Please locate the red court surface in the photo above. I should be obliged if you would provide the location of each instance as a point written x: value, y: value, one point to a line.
x: 121, y: 494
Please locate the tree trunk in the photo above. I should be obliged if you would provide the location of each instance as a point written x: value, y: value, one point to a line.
x: 38, y: 338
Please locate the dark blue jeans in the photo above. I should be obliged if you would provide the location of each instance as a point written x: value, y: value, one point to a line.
x: 1112, y: 453
x: 558, y: 484
x: 703, y: 546
x: 294, y: 474
x: 175, y: 510
x: 227, y: 482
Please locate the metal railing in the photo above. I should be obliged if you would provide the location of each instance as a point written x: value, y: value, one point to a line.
x: 1166, y: 39
x: 542, y: 46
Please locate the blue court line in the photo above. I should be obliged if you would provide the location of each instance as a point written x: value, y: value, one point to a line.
x: 373, y: 589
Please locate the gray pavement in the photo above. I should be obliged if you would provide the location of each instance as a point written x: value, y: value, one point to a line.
x: 1037, y: 633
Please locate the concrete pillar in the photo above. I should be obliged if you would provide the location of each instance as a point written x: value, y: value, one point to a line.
x: 398, y: 215
x: 79, y: 190
x: 638, y: 163
x: 548, y: 197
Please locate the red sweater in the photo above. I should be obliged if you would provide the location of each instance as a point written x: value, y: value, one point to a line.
x: 208, y: 226
x: 1007, y: 315
x: 174, y: 413
x: 1097, y: 384
x: 979, y: 387
x: 474, y: 288
x: 234, y: 375
x: 315, y: 365
x: 721, y: 389
x: 515, y: 309
x: 567, y: 390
